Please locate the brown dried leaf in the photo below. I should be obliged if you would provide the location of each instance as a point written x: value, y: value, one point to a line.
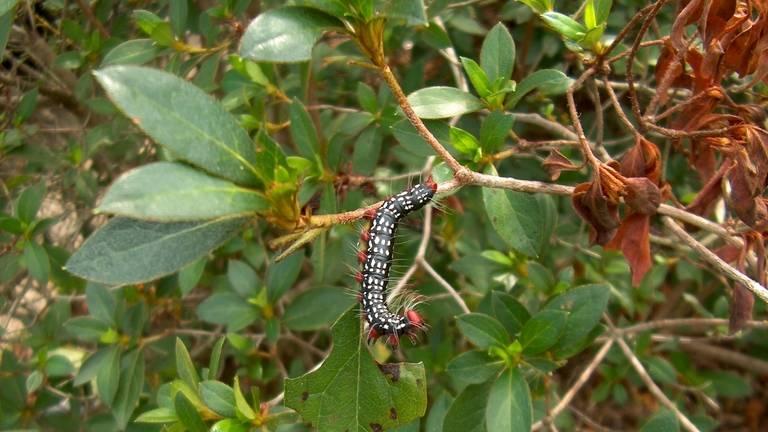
x: 643, y: 196
x: 601, y: 213
x: 642, y: 160
x: 556, y: 162
x: 633, y: 239
x: 742, y: 302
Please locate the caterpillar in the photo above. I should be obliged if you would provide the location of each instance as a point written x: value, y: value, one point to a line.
x: 377, y: 260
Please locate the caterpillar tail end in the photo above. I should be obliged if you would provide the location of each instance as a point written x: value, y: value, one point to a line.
x: 430, y: 183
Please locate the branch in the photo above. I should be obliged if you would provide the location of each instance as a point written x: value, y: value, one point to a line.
x: 583, y: 378
x: 715, y: 260
x: 653, y: 388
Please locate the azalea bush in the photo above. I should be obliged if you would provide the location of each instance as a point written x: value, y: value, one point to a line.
x: 185, y: 184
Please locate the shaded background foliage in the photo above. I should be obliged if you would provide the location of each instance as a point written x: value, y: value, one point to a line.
x: 209, y: 293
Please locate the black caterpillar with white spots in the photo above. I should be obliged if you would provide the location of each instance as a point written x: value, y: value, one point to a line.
x: 377, y: 261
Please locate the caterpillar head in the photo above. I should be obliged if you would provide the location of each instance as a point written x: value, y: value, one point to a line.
x: 431, y: 184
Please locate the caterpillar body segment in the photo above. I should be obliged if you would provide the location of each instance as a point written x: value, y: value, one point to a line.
x: 377, y: 262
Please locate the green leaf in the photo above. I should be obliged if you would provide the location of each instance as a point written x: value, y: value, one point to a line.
x: 228, y: 309
x: 182, y: 118
x: 467, y: 412
x: 241, y: 404
x: 126, y: 251
x: 26, y: 106
x: 108, y: 376
x: 214, y: 365
x: 464, y: 142
x: 542, y: 331
x: 376, y: 396
x: 550, y: 81
x: 157, y: 415
x: 33, y: 381
x: 442, y: 102
x: 243, y: 278
x: 539, y: 6
x: 6, y: 23
x: 510, y: 312
x: 663, y: 421
x: 474, y: 367
x: 219, y: 397
x: 178, y: 14
x: 172, y: 192
x: 366, y: 97
x: 497, y: 55
x: 7, y: 5
x: 585, y: 306
x: 282, y: 275
x: 596, y: 12
x: 135, y: 52
x: 184, y: 366
x: 303, y: 131
x: 36, y: 260
x: 101, y: 302
x: 477, y: 77
x: 188, y: 415
x: 229, y: 425
x: 86, y: 328
x: 515, y: 216
x: 412, y: 11
x: 29, y: 202
x: 565, y: 25
x: 494, y: 131
x: 286, y: 34
x: 316, y: 308
x: 410, y: 139
x: 11, y: 224
x: 92, y: 365
x: 509, y: 404
x: 131, y: 383
x: 190, y: 275
x: 482, y: 330
x: 367, y: 151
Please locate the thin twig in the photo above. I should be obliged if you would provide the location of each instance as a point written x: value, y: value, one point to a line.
x: 715, y: 260
x: 583, y: 378
x: 653, y: 388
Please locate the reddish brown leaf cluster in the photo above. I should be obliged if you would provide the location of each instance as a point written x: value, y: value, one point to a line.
x: 731, y: 159
x: 636, y: 179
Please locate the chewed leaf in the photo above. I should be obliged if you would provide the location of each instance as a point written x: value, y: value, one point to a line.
x: 377, y: 397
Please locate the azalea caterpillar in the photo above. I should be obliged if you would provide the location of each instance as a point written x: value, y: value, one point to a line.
x: 377, y: 260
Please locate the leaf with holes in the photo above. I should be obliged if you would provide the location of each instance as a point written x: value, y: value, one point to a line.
x: 378, y: 397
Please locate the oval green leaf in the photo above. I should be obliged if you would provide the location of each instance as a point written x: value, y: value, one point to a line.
x: 285, y: 35
x: 467, y: 412
x: 182, y: 118
x: 550, y: 81
x: 219, y: 397
x: 184, y: 366
x: 228, y: 309
x: 474, y: 367
x: 442, y: 102
x: 542, y: 331
x: 136, y: 52
x: 482, y: 330
x: 126, y: 251
x: 509, y: 403
x: 497, y: 55
x: 166, y: 191
x: 515, y: 216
